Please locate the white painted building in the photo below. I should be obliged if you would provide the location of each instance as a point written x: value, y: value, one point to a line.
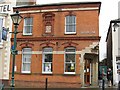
x: 6, y: 22
x: 115, y: 55
x: 113, y: 50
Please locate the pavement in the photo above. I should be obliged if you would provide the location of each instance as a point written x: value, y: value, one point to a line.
x: 100, y: 88
x: 81, y: 88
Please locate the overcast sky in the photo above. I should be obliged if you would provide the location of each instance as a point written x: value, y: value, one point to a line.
x: 109, y: 11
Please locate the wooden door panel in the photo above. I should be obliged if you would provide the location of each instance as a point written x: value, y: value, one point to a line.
x: 87, y: 72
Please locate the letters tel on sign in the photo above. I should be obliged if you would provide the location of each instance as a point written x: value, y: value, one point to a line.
x: 5, y: 8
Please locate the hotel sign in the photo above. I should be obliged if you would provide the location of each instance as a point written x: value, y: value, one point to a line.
x: 4, y: 8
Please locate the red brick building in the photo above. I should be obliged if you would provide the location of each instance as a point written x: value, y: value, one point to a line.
x: 59, y: 42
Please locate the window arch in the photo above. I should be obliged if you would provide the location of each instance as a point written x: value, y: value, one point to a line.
x: 70, y: 60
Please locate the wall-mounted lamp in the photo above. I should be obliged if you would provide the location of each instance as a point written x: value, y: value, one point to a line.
x: 115, y: 23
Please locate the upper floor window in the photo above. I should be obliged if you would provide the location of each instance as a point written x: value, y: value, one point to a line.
x: 26, y: 60
x: 70, y: 53
x: 1, y: 26
x: 70, y: 24
x: 47, y: 60
x: 28, y: 26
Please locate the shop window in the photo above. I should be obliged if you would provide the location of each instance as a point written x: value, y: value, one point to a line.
x: 28, y: 26
x: 70, y: 60
x: 70, y: 24
x: 47, y: 60
x: 26, y: 60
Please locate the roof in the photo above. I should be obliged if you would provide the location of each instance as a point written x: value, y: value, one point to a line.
x: 59, y: 4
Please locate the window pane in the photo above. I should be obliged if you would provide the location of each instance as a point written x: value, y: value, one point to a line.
x: 28, y: 29
x: 28, y: 21
x: 47, y: 67
x: 26, y: 67
x: 118, y: 66
x: 73, y: 19
x: 26, y: 58
x: 70, y: 50
x: 67, y: 28
x: 70, y: 57
x: 70, y: 67
x: 47, y: 50
x: 67, y: 19
x: 48, y: 58
x: 27, y: 50
x: 70, y: 20
x: 73, y: 28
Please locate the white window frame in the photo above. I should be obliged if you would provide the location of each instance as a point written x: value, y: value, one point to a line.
x: 69, y: 62
x: 28, y: 53
x: 24, y: 33
x: 43, y: 62
x: 69, y: 24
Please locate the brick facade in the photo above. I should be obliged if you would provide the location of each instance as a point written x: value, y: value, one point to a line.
x: 87, y: 24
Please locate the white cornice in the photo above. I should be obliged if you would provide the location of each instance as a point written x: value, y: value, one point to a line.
x: 54, y: 52
x: 57, y: 10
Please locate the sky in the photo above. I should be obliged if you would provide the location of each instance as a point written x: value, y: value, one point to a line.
x: 108, y: 12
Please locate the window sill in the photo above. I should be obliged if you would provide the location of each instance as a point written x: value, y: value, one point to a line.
x: 46, y: 72
x: 70, y: 33
x: 26, y: 72
x: 27, y: 34
x: 69, y: 73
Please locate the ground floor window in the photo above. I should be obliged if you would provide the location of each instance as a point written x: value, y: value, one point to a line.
x: 26, y: 60
x: 70, y: 60
x: 47, y: 60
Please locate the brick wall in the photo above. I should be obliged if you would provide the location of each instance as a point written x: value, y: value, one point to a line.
x: 86, y: 22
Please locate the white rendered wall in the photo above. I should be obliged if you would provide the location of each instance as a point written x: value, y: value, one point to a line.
x: 6, y: 45
x: 115, y: 54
